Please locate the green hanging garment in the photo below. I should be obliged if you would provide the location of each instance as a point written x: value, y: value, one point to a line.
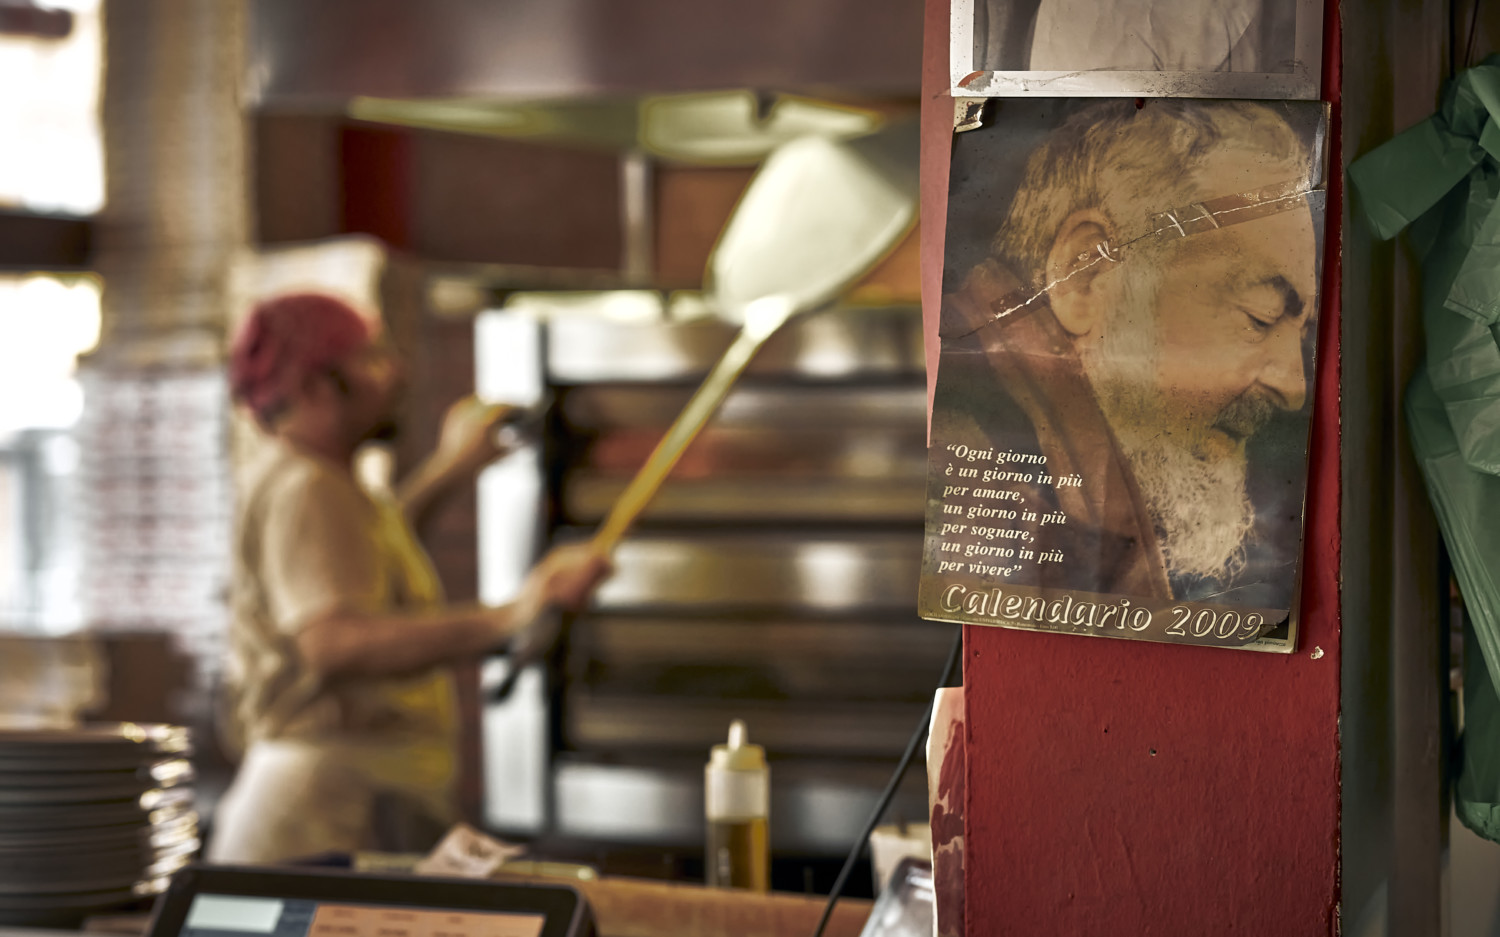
x: 1442, y: 177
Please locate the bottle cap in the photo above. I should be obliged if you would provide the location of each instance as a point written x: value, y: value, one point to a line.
x: 738, y: 754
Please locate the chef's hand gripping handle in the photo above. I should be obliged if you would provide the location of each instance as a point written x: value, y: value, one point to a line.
x: 549, y: 628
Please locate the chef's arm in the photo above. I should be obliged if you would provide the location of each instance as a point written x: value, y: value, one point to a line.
x: 466, y: 444
x: 425, y: 486
x: 344, y: 645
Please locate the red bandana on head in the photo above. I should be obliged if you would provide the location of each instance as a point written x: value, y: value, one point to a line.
x: 286, y: 339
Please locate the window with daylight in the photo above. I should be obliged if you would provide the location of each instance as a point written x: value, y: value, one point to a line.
x: 52, y: 159
x: 46, y: 322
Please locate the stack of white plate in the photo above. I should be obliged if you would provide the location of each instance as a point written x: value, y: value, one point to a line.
x: 91, y: 818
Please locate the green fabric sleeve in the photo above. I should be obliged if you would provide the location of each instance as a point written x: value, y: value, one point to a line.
x: 1442, y: 178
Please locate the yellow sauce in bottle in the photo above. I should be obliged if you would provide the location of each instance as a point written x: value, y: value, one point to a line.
x: 738, y: 854
x: 736, y: 807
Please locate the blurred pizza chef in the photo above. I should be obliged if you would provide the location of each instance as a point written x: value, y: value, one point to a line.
x: 337, y: 680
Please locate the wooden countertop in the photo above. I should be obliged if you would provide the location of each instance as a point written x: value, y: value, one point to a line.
x: 631, y: 907
x: 627, y: 907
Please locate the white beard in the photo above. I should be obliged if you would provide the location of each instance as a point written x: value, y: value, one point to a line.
x: 1202, y: 511
x: 1201, y: 508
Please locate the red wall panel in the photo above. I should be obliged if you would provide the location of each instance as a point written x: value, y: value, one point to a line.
x: 472, y: 199
x: 484, y: 200
x: 376, y: 171
x: 1120, y: 788
x: 692, y: 206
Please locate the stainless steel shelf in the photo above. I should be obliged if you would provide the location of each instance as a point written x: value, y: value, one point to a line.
x: 817, y: 806
x: 757, y: 499
x: 837, y: 344
x: 863, y: 659
x: 772, y: 579
x: 778, y: 409
x: 819, y: 571
x: 866, y: 729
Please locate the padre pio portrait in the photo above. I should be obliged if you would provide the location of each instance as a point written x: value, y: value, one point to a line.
x: 1122, y: 411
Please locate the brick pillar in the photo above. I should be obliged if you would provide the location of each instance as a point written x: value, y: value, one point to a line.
x: 154, y: 491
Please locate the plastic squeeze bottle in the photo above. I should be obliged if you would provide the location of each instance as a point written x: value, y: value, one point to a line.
x: 737, y: 806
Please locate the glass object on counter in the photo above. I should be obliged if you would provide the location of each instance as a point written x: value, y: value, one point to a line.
x: 907, y: 906
x: 737, y: 808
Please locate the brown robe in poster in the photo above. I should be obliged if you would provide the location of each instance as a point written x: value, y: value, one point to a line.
x: 1016, y: 384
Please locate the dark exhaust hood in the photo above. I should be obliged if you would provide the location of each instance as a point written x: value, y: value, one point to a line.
x: 324, y: 54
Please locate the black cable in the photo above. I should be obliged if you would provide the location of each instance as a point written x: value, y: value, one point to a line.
x: 890, y: 788
x: 1453, y: 38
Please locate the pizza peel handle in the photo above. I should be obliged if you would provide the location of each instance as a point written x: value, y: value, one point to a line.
x: 761, y: 323
x: 817, y: 216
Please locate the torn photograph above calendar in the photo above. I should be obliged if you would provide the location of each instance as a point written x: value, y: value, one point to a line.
x: 1265, y: 49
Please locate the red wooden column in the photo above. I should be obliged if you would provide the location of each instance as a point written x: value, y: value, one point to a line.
x: 1120, y: 788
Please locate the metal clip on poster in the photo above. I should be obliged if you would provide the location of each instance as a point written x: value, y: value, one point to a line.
x: 817, y: 216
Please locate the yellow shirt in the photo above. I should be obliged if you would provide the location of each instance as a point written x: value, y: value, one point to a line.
x: 309, y: 542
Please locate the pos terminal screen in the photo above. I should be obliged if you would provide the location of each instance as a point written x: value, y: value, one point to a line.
x: 212, y: 915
